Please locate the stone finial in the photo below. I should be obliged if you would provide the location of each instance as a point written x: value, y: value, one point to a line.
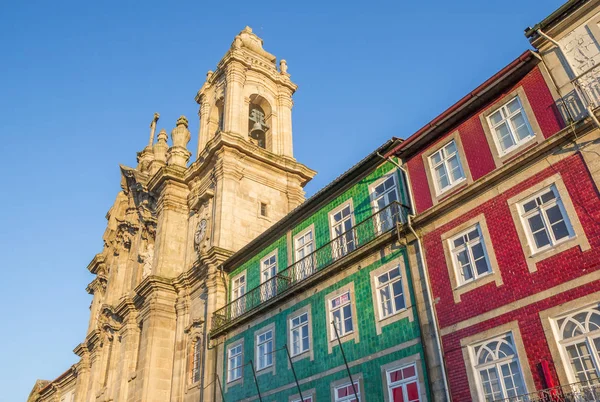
x: 248, y: 40
x: 247, y: 29
x: 163, y: 136
x: 160, y: 149
x: 178, y: 154
x: 182, y: 120
x: 283, y: 66
x: 209, y: 74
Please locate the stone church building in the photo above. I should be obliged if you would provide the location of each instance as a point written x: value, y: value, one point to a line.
x: 158, y: 278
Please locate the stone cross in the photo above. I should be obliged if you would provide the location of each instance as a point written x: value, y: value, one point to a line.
x: 153, y: 128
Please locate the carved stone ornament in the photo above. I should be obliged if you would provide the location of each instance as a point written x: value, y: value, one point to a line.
x: 147, y: 259
x: 200, y: 233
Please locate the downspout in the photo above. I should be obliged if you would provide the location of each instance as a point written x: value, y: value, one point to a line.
x: 425, y: 275
x: 204, y: 298
x: 560, y: 49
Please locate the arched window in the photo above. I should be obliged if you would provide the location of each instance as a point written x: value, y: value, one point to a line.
x: 259, y: 122
x: 497, y: 365
x: 257, y: 126
x: 580, y: 337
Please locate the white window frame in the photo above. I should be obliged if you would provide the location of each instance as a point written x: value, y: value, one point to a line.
x: 387, y: 218
x: 339, y: 247
x: 444, y: 157
x: 497, y: 365
x: 541, y: 209
x: 230, y: 357
x: 349, y: 397
x: 389, y: 284
x: 260, y: 364
x: 341, y: 330
x: 503, y: 110
x: 468, y: 245
x: 306, y: 399
x: 306, y: 265
x: 299, y: 328
x: 402, y: 383
x: 269, y: 290
x: 239, y: 306
x: 587, y: 338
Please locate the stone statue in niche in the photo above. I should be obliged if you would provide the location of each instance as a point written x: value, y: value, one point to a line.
x: 147, y: 259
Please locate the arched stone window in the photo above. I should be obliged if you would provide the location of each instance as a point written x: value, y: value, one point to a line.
x: 498, y: 369
x: 259, y: 121
x: 217, y: 117
x: 580, y: 337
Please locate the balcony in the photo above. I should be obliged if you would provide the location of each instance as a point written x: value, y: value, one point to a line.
x: 577, y: 392
x: 301, y: 271
x: 587, y: 88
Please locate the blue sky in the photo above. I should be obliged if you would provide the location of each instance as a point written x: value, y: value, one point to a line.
x: 80, y: 81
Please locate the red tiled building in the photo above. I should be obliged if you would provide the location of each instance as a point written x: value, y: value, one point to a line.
x: 505, y: 187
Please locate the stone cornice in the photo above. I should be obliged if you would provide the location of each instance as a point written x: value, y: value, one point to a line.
x: 152, y: 284
x: 173, y: 174
x: 98, y: 264
x: 215, y: 256
x: 224, y: 140
x: 125, y: 308
x: 99, y: 283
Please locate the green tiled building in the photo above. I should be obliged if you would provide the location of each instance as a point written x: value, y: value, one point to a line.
x: 324, y: 299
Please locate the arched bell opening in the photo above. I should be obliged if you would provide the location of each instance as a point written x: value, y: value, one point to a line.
x: 259, y: 121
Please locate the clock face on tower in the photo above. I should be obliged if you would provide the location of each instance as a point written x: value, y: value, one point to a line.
x: 200, y: 232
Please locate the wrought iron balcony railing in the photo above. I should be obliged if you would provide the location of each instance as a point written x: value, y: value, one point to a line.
x: 356, y: 237
x: 577, y: 392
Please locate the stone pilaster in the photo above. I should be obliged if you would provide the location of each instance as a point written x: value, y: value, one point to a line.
x: 83, y: 373
x: 181, y: 348
x: 233, y: 98
x: 172, y: 226
x: 156, y: 300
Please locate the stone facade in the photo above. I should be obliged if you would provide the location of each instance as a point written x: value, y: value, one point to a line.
x: 173, y: 225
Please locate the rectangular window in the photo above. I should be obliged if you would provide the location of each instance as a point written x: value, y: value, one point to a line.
x: 304, y: 246
x: 268, y: 280
x: 299, y: 334
x: 263, y: 209
x: 341, y: 232
x: 196, y: 360
x: 510, y: 126
x: 469, y: 255
x: 545, y: 219
x: 340, y: 308
x: 446, y: 167
x: 238, y: 289
x: 346, y: 393
x: 498, y: 369
x: 382, y: 195
x: 403, y: 384
x: 264, y: 350
x: 234, y: 363
x: 390, y: 293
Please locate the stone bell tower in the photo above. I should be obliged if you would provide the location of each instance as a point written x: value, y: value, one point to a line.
x: 158, y: 277
x: 246, y: 139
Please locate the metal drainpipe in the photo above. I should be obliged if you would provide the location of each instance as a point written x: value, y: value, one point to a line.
x: 560, y: 49
x: 204, y: 297
x: 427, y: 285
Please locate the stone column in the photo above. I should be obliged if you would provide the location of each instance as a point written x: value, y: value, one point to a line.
x: 217, y: 298
x: 172, y: 225
x: 285, y: 104
x: 83, y: 373
x: 128, y: 334
x: 158, y: 340
x: 203, y: 132
x: 179, y: 365
x: 233, y: 99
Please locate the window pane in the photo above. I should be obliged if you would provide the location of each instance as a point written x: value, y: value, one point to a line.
x: 450, y: 148
x: 541, y: 239
x: 504, y: 137
x: 482, y: 266
x: 528, y: 206
x: 455, y: 169
x: 560, y: 230
x: 442, y: 178
x: 536, y: 223
x: 436, y: 158
x: 496, y: 118
x: 513, y: 105
x: 548, y: 196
